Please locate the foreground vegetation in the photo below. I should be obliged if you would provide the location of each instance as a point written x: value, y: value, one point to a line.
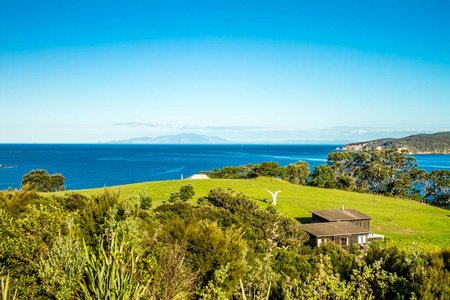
x: 224, y: 246
x: 157, y: 241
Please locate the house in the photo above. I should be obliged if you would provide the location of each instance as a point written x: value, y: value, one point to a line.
x: 344, y: 227
x: 345, y: 234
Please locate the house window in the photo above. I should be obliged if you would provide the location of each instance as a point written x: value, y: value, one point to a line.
x: 362, y: 239
x: 344, y: 241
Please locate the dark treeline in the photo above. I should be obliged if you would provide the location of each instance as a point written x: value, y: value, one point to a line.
x: 100, y: 247
x: 382, y: 172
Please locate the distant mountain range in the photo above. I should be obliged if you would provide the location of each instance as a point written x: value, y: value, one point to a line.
x: 437, y: 143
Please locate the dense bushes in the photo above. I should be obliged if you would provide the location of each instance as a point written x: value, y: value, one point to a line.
x: 227, y: 247
x: 23, y: 241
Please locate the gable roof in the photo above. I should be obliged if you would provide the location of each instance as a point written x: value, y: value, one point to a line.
x: 333, y: 228
x: 347, y: 214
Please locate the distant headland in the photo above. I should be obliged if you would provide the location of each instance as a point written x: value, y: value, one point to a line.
x: 436, y: 143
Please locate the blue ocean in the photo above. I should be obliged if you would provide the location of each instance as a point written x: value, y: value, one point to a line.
x: 95, y: 165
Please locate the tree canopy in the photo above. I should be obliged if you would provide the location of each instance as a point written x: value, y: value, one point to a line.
x: 43, y: 182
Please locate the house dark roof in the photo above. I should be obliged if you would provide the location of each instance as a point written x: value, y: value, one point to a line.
x: 333, y: 228
x: 347, y: 214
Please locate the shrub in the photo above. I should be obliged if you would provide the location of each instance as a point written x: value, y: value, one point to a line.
x: 75, y: 201
x: 15, y: 203
x: 63, y: 267
x: 92, y: 217
x: 23, y: 241
x: 209, y: 247
x: 260, y: 223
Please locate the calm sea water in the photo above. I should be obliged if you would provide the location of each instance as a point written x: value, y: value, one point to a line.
x: 91, y: 165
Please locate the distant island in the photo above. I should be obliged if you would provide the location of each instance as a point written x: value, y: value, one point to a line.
x: 436, y: 143
x: 197, y: 139
x: 183, y: 138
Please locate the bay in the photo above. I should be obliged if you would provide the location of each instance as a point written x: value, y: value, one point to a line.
x: 95, y: 165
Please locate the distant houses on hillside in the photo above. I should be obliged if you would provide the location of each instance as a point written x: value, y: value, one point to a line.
x: 345, y: 227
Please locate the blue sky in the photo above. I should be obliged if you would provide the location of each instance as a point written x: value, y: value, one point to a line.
x: 88, y: 71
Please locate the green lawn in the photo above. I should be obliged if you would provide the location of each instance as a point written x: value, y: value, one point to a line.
x: 402, y: 221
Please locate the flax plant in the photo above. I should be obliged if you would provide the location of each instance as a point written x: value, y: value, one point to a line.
x: 4, y: 289
x: 111, y: 276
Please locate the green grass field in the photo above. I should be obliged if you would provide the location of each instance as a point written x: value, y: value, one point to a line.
x: 401, y: 221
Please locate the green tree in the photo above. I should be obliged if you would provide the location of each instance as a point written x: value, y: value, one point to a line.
x: 387, y: 172
x: 268, y: 169
x: 323, y: 176
x: 185, y: 193
x: 231, y: 172
x: 297, y: 172
x: 43, y: 182
x: 438, y: 187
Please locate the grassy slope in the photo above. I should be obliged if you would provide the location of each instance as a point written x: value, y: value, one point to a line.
x: 401, y: 220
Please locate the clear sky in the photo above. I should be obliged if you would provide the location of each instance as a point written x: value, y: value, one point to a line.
x: 88, y: 71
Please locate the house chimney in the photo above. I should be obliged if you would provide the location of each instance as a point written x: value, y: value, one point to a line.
x: 342, y: 207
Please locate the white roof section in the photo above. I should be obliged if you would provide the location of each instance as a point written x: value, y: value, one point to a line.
x: 198, y: 176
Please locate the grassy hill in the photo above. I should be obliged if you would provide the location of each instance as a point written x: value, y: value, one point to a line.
x: 402, y: 221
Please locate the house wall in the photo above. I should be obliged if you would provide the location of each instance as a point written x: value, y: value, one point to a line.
x: 352, y: 239
x: 364, y: 223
